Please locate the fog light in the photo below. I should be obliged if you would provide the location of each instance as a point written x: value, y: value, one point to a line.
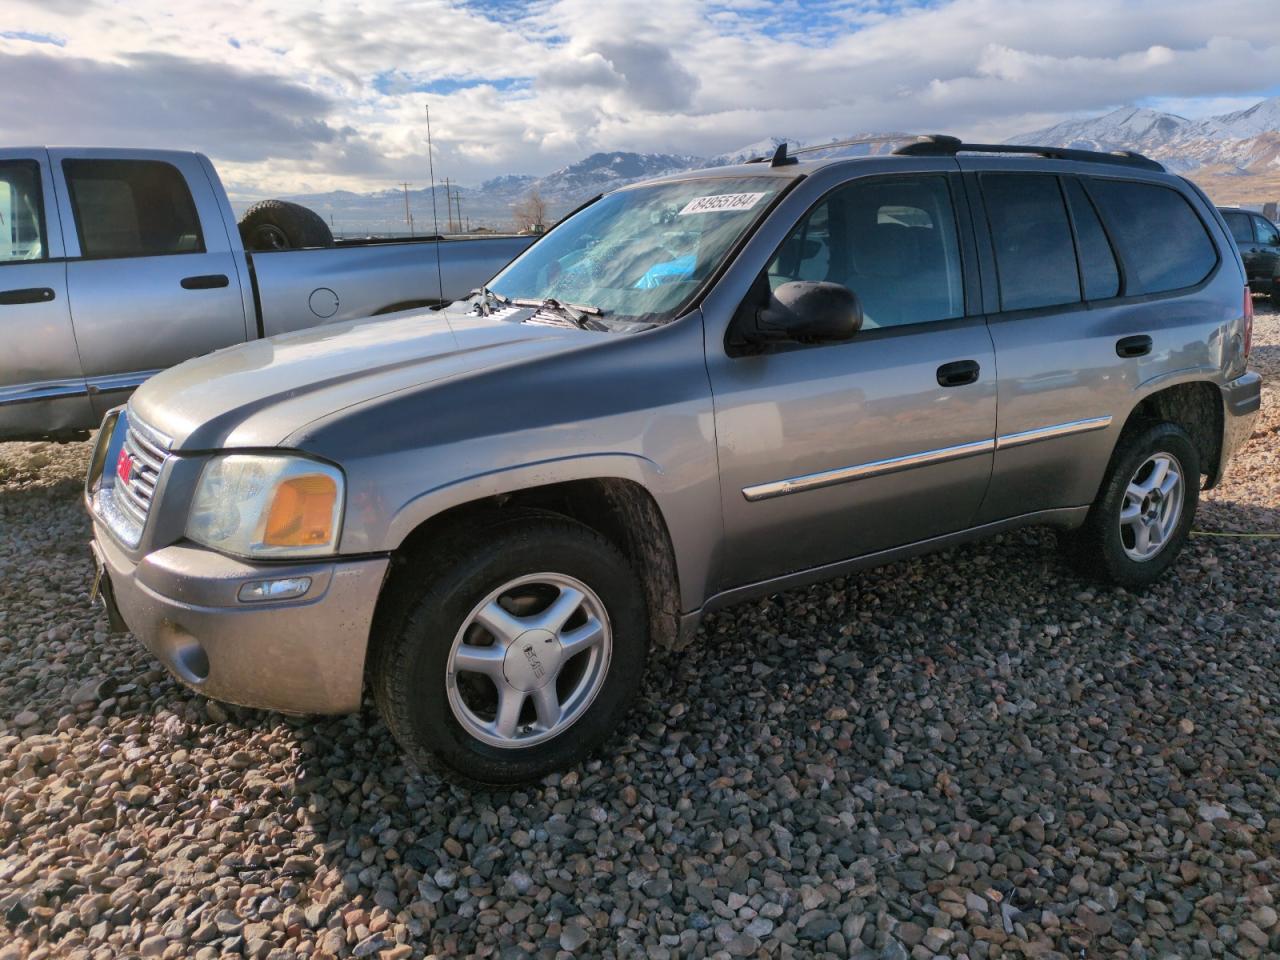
x: 284, y: 589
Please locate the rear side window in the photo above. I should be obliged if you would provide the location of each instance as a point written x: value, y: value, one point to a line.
x: 1266, y: 231
x: 891, y: 240
x: 21, y: 212
x: 1240, y: 227
x: 1035, y: 256
x: 1163, y: 243
x: 132, y: 208
x: 1098, y: 270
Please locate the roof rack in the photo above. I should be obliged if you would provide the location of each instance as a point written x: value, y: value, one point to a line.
x: 781, y: 157
x: 940, y: 145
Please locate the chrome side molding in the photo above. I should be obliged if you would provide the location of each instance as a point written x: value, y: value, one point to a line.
x: 1004, y: 441
x: 861, y: 471
x: 877, y: 468
x: 73, y: 387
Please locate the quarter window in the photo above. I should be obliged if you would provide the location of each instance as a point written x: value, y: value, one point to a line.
x: 1098, y: 270
x: 1163, y: 243
x: 22, y: 234
x: 1035, y: 257
x: 132, y: 208
x: 892, y: 241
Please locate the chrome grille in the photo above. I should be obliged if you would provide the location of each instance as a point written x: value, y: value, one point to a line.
x: 148, y: 452
x: 124, y: 504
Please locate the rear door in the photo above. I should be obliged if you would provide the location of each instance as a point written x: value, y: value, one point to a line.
x: 151, y: 272
x: 1098, y: 289
x: 41, y: 386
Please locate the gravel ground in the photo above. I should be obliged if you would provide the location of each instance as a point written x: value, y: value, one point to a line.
x: 971, y: 754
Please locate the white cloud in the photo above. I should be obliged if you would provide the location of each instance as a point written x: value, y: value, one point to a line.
x: 294, y: 95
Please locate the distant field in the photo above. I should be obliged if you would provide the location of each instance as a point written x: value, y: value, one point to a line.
x: 1227, y: 188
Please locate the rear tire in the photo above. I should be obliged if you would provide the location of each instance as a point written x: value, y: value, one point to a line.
x: 1275, y: 294
x: 1144, y: 511
x: 468, y: 689
x: 281, y: 225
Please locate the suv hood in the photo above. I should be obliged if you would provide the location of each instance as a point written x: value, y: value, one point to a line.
x: 256, y: 394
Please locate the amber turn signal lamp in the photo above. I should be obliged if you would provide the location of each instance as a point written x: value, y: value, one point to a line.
x: 302, y: 512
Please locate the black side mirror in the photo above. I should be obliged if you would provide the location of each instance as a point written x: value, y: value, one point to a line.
x: 809, y: 311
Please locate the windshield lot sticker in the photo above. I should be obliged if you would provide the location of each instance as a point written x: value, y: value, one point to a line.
x: 724, y: 201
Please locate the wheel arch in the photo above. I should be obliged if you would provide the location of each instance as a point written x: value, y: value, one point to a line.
x: 621, y: 508
x: 1194, y: 404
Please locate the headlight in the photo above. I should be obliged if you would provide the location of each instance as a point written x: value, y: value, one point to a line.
x: 267, y: 506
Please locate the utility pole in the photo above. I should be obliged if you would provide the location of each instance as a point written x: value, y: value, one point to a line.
x: 458, y: 198
x: 408, y: 215
x: 448, y: 207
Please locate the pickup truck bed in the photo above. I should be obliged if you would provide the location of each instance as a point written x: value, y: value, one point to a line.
x: 115, y: 264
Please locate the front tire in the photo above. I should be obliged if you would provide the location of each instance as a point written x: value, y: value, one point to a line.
x: 517, y: 648
x: 1144, y: 511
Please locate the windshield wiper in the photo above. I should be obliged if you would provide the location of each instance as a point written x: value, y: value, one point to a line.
x: 485, y: 295
x: 577, y: 313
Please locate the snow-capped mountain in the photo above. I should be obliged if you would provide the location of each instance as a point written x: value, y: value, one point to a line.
x: 1248, y: 141
x: 1225, y: 153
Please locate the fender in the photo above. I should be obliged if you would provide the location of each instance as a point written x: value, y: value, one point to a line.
x: 693, y: 538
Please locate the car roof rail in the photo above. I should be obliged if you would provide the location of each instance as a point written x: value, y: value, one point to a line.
x: 781, y: 157
x: 940, y: 145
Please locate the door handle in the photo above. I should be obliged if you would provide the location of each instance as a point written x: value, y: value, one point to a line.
x: 959, y: 373
x: 1138, y: 346
x: 210, y: 281
x: 11, y: 298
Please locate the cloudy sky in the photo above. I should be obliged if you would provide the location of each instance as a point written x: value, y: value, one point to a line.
x: 291, y: 96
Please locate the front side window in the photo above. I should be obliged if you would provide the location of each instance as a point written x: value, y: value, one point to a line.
x: 1240, y: 226
x: 132, y: 208
x: 1035, y: 256
x: 891, y: 240
x: 641, y: 254
x: 21, y: 212
x: 1267, y: 232
x: 1163, y: 243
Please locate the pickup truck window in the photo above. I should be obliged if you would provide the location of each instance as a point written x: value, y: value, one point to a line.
x: 132, y: 208
x: 21, y: 212
x: 641, y: 254
x: 1241, y: 228
x: 890, y: 240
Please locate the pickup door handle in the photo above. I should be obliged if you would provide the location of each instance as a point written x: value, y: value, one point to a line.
x: 210, y: 281
x: 11, y: 298
x: 959, y: 373
x: 1138, y: 346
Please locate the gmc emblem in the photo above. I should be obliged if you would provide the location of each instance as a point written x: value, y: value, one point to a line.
x: 124, y: 466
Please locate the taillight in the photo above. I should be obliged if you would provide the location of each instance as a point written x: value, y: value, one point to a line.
x: 1248, y: 321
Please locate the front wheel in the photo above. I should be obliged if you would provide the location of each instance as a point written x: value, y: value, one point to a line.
x: 518, y: 650
x: 1143, y: 514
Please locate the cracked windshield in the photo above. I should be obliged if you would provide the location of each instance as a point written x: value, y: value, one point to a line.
x: 640, y: 254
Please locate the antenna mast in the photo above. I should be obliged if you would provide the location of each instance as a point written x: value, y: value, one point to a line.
x: 435, y: 217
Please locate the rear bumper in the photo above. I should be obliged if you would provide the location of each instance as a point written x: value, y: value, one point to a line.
x: 296, y: 656
x: 1241, y: 400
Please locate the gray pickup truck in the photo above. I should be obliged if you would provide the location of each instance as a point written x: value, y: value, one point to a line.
x: 115, y: 264
x: 695, y: 390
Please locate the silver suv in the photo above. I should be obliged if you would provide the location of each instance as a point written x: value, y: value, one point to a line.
x: 693, y: 390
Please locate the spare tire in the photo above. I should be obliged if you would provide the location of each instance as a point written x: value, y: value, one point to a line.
x: 281, y: 225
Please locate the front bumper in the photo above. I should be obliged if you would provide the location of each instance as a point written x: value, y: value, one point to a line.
x: 1241, y: 400
x: 297, y: 656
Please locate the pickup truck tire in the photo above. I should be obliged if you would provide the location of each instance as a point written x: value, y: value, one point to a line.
x: 470, y: 670
x: 1144, y: 511
x: 281, y: 225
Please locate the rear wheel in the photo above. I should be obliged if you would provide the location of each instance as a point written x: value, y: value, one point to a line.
x: 519, y: 648
x: 1144, y: 511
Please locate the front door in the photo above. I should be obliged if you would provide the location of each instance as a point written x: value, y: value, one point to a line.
x: 152, y: 277
x: 829, y: 452
x: 41, y: 386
